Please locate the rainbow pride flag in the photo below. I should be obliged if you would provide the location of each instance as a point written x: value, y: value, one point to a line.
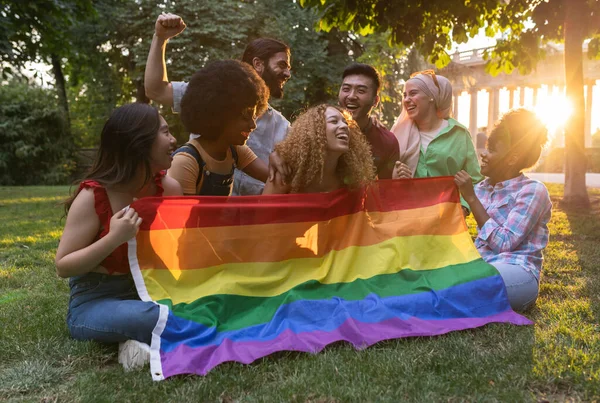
x: 238, y: 278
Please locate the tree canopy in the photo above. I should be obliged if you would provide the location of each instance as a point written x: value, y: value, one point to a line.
x: 433, y: 27
x: 100, y: 50
x: 31, y: 31
x: 524, y: 26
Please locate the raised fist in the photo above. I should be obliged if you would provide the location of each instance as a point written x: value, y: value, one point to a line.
x: 168, y: 26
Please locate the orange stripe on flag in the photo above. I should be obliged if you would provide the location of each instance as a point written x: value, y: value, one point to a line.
x: 217, y: 211
x: 206, y: 247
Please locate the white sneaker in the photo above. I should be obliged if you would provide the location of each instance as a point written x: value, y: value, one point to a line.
x: 133, y: 354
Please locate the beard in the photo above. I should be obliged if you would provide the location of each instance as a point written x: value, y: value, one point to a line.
x: 273, y: 82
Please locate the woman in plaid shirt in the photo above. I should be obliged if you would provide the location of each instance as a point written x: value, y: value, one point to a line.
x: 511, y: 210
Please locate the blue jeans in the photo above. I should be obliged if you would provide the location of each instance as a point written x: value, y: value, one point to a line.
x: 521, y: 285
x: 108, y: 309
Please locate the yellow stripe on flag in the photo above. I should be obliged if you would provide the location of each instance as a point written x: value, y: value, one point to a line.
x: 422, y: 252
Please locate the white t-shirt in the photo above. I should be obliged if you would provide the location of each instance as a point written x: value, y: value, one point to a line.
x: 426, y: 137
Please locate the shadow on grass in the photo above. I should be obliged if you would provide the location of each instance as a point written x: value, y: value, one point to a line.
x: 585, y: 237
x: 570, y: 311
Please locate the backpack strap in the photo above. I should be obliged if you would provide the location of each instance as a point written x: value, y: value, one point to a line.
x: 191, y: 149
x: 234, y: 154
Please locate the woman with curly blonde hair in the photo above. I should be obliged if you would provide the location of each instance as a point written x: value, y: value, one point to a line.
x: 325, y: 151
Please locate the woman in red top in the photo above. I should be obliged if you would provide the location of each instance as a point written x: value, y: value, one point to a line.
x: 135, y: 150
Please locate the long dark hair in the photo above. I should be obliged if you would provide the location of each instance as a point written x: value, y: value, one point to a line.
x: 125, y: 145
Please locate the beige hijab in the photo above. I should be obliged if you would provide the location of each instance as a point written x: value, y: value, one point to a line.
x: 405, y: 129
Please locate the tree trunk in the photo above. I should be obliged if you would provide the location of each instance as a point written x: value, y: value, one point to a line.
x: 61, y: 88
x: 575, y: 159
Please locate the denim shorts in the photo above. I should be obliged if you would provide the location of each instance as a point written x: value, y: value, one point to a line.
x: 108, y: 309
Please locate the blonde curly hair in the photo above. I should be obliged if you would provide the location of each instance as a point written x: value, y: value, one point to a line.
x: 305, y: 148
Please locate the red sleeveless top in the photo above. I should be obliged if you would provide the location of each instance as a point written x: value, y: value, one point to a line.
x: 117, y: 261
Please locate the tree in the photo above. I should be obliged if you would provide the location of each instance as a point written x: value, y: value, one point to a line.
x: 394, y: 64
x: 221, y: 30
x: 98, y: 51
x: 318, y: 58
x: 105, y: 63
x: 94, y: 48
x: 37, y: 31
x: 526, y: 25
x: 34, y: 146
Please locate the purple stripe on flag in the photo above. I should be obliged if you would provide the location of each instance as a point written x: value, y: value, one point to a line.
x: 185, y: 360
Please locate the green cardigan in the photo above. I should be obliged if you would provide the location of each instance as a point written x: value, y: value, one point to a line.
x: 449, y: 152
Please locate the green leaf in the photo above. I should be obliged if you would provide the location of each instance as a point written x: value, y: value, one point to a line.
x: 459, y: 34
x: 366, y: 30
x: 593, y: 49
x: 443, y: 60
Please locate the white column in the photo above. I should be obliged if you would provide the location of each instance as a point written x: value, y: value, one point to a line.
x: 588, y: 113
x: 493, y: 108
x: 511, y: 98
x: 473, y: 114
x: 522, y: 96
x: 455, y: 106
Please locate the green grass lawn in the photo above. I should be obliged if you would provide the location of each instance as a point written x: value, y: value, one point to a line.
x: 557, y: 359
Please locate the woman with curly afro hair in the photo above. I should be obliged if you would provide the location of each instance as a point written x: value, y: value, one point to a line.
x: 325, y: 151
x: 220, y: 107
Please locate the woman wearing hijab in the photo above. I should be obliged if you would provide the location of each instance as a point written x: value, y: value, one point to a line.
x: 431, y: 142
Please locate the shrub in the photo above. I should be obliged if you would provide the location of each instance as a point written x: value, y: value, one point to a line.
x: 35, y: 145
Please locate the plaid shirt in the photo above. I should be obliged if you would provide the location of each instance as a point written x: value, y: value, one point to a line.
x: 517, y: 231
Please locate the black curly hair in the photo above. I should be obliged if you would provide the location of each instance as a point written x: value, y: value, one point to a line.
x: 522, y: 131
x: 220, y: 92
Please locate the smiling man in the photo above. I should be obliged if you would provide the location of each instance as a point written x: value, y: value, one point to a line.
x: 271, y: 60
x: 359, y: 94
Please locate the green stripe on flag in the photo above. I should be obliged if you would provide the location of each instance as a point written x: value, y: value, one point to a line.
x: 232, y: 312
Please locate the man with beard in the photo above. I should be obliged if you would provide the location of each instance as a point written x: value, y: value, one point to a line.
x: 271, y: 60
x: 359, y: 94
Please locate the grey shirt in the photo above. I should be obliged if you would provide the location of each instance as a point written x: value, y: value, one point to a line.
x: 271, y: 128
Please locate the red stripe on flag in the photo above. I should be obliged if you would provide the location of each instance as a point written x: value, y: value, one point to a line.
x: 385, y: 195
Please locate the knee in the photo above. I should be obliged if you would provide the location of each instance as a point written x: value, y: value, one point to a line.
x: 123, y: 321
x: 139, y: 321
x: 522, y: 296
x: 521, y: 306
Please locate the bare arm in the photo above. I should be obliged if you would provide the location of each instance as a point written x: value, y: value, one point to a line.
x: 530, y: 205
x: 171, y: 187
x: 77, y: 252
x: 276, y: 164
x: 156, y: 83
x: 185, y: 171
x: 465, y: 185
x: 257, y: 169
